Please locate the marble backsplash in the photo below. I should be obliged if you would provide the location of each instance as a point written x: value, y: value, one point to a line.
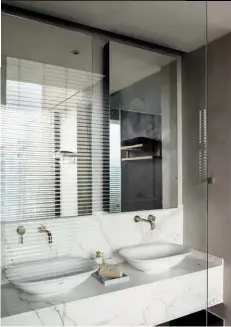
x: 84, y: 235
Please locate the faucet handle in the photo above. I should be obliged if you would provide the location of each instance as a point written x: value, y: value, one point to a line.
x: 151, y: 217
x: 137, y: 219
x: 21, y: 230
x: 41, y: 228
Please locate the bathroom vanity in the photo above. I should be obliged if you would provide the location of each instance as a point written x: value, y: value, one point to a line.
x: 92, y: 161
x: 144, y: 300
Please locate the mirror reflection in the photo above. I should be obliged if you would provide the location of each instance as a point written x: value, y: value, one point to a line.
x: 85, y: 133
x: 143, y: 129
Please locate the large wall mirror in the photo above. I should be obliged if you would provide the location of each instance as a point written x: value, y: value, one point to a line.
x: 143, y: 129
x: 87, y: 125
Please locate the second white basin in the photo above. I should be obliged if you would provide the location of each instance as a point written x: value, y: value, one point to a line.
x: 51, y: 276
x: 154, y: 257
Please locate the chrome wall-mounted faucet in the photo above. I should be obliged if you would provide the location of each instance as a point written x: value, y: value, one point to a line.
x: 42, y: 229
x: 151, y: 219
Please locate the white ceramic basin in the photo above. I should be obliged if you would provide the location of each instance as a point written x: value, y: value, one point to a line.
x: 51, y: 276
x: 154, y: 257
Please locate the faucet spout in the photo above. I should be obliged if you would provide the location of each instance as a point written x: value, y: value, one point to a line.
x: 151, y: 219
x: 42, y: 229
x: 49, y: 236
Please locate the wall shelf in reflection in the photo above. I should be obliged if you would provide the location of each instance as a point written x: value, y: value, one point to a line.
x: 140, y: 148
x: 131, y: 147
x: 141, y: 158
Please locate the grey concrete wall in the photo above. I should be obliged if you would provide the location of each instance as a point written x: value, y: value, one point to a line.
x: 196, y: 197
x: 219, y: 159
x: 194, y: 189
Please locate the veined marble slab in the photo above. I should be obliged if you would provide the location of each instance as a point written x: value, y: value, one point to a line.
x: 144, y: 300
x: 85, y: 235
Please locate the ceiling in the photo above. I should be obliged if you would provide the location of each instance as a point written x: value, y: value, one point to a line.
x: 177, y: 24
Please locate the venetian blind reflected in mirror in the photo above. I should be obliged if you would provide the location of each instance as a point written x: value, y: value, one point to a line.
x: 143, y: 129
x: 54, y: 117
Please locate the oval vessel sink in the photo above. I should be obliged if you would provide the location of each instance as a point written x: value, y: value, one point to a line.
x: 51, y: 276
x: 154, y: 257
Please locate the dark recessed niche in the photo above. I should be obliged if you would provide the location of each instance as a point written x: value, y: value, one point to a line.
x: 200, y: 318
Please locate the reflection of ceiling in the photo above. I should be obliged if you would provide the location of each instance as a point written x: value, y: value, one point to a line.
x: 47, y: 44
x: 177, y: 24
x: 34, y: 41
x: 129, y: 65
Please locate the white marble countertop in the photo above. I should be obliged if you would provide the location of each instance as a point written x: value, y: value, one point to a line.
x: 182, y: 290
